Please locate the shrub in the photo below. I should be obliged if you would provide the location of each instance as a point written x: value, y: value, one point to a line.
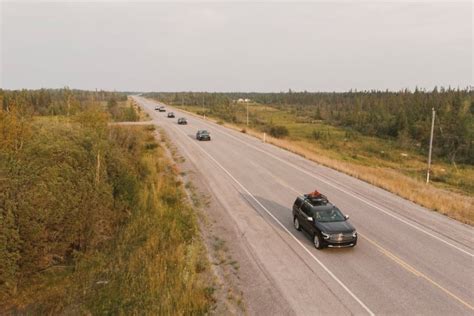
x: 316, y: 134
x: 278, y: 131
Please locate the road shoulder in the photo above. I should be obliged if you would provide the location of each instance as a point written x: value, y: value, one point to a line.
x: 241, y: 286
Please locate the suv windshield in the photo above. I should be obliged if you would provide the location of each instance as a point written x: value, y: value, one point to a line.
x: 329, y: 214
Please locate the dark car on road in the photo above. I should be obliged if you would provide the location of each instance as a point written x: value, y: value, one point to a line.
x: 203, y: 135
x: 162, y: 109
x: 324, y: 222
x: 170, y: 115
x: 182, y: 121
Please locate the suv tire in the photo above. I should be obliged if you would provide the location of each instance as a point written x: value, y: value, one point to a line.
x: 318, y: 244
x: 296, y: 223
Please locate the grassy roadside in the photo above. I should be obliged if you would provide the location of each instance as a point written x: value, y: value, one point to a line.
x: 125, y: 110
x: 145, y: 256
x: 142, y: 115
x: 370, y: 159
x: 226, y: 291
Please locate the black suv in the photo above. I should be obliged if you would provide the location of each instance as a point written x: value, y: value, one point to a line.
x: 170, y: 115
x: 203, y: 135
x: 182, y: 121
x: 324, y: 222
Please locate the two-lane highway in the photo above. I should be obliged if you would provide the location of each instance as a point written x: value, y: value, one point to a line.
x: 408, y: 260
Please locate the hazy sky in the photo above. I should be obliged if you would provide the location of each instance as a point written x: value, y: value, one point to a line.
x: 239, y: 46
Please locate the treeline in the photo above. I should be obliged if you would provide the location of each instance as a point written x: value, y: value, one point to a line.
x: 91, y: 216
x: 55, y: 101
x: 67, y: 102
x: 403, y: 115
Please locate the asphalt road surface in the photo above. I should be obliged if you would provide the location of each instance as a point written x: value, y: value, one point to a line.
x: 408, y: 260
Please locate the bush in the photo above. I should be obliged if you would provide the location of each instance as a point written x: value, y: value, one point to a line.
x: 316, y: 134
x: 278, y: 131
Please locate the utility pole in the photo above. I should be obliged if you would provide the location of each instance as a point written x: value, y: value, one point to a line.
x: 431, y: 146
x: 247, y: 113
x: 97, y: 173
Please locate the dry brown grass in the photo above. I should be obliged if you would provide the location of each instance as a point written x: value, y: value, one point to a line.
x: 452, y: 204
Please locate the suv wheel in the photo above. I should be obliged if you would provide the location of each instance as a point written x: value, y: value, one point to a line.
x: 296, y: 222
x: 317, y: 241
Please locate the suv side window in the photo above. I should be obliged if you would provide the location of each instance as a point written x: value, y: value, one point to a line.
x: 306, y: 208
x: 298, y: 202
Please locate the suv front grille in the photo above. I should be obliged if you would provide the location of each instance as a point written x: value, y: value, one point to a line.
x: 341, y: 237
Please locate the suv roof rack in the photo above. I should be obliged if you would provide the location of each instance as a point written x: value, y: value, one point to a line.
x: 317, y: 201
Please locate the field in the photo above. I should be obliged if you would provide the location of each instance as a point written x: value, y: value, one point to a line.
x: 379, y: 161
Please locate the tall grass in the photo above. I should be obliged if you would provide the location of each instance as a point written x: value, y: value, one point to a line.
x: 157, y: 263
x: 153, y: 263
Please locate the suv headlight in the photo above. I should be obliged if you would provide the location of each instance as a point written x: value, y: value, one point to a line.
x: 354, y: 234
x: 325, y: 236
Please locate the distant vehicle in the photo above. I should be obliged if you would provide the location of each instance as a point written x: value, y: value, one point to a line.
x: 157, y: 108
x: 162, y: 109
x: 171, y: 115
x: 182, y: 121
x: 203, y: 135
x: 323, y: 221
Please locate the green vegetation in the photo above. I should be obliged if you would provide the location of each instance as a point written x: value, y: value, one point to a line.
x: 122, y: 111
x: 380, y: 137
x: 125, y: 110
x: 93, y: 218
x: 402, y: 116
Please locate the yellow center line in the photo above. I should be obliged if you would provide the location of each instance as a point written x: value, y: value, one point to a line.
x: 411, y: 269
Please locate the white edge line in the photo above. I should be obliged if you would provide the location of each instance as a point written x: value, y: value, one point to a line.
x: 285, y: 229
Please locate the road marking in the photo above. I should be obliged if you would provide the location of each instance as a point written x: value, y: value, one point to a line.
x: 413, y: 270
x: 383, y: 250
x: 282, y: 226
x: 342, y: 190
x: 348, y: 193
x: 407, y: 266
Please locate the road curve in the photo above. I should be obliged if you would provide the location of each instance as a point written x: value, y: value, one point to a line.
x: 408, y: 260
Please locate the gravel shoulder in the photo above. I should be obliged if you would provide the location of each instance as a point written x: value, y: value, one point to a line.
x: 241, y: 284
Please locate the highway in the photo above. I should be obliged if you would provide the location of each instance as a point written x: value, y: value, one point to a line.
x: 408, y: 260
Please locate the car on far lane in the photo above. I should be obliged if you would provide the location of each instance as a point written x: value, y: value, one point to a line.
x: 162, y: 109
x: 324, y: 222
x: 170, y: 115
x: 157, y: 108
x: 203, y: 135
x: 182, y: 121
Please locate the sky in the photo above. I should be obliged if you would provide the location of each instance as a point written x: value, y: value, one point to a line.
x: 236, y: 46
